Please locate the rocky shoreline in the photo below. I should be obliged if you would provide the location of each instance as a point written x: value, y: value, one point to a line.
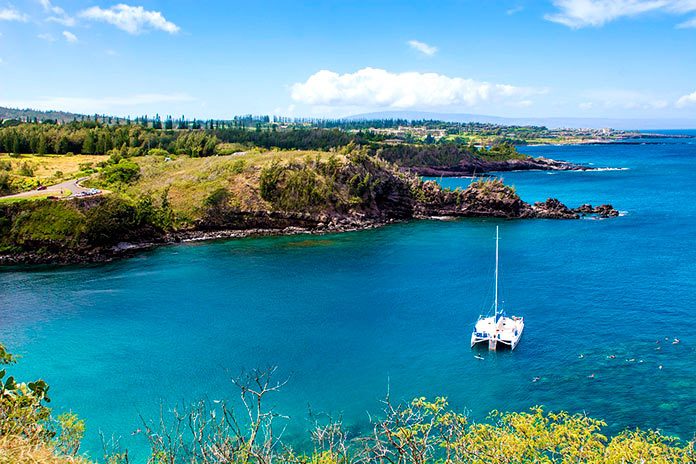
x: 364, y: 193
x: 550, y: 209
x: 472, y: 166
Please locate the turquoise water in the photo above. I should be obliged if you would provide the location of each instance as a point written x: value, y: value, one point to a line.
x: 346, y: 316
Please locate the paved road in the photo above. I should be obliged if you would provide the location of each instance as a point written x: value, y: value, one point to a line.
x: 58, y: 189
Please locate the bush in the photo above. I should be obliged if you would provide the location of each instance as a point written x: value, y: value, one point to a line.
x: 269, y: 180
x: 158, y: 152
x: 4, y: 182
x: 25, y: 169
x: 238, y: 166
x: 217, y: 199
x: 124, y: 171
x: 110, y: 222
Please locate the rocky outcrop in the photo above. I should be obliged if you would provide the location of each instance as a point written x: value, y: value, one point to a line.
x: 471, y: 165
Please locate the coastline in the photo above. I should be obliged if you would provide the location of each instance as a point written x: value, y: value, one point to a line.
x: 551, y: 209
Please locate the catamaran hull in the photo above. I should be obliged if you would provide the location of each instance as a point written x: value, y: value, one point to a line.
x: 505, y: 332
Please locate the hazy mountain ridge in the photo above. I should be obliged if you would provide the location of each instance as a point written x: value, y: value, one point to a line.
x: 551, y: 123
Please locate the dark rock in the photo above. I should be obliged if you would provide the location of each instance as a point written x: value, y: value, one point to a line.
x: 553, y: 209
x: 471, y: 166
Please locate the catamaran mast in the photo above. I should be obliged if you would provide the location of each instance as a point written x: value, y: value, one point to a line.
x: 496, y: 273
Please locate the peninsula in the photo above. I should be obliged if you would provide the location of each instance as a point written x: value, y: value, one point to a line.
x: 144, y: 183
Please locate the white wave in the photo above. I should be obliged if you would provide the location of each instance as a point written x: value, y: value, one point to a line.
x: 607, y: 169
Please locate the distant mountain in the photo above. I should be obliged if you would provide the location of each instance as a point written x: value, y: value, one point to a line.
x: 29, y: 114
x: 551, y: 123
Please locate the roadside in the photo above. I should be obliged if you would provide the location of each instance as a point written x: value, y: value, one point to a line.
x: 68, y: 189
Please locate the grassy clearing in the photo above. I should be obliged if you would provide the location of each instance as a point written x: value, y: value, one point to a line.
x: 49, y: 169
x: 190, y: 181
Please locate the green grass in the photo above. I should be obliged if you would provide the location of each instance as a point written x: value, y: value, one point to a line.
x: 41, y: 196
x: 190, y: 181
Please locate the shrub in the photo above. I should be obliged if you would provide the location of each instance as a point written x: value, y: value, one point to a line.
x: 111, y: 221
x: 25, y: 169
x: 218, y: 198
x: 4, y: 182
x: 158, y: 152
x: 124, y: 171
x: 238, y: 166
x: 269, y: 179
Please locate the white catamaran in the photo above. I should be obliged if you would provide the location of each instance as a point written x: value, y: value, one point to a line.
x: 497, y: 328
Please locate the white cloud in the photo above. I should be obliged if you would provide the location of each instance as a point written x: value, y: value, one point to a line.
x: 46, y: 37
x: 586, y: 105
x: 686, y: 100
x: 70, y: 37
x: 370, y: 87
x: 422, y: 47
x: 691, y: 23
x: 582, y: 13
x: 515, y: 10
x: 10, y: 14
x: 59, y: 14
x: 132, y: 19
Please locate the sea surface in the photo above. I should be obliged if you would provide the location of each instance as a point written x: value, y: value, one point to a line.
x: 348, y: 317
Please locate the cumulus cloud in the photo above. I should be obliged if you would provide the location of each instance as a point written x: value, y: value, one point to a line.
x: 582, y: 13
x: 687, y: 100
x: 10, y: 14
x: 370, y: 87
x: 70, y: 37
x: 132, y: 19
x: 422, y: 47
x: 58, y: 14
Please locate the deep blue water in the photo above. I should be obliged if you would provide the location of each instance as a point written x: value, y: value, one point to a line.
x: 346, y: 316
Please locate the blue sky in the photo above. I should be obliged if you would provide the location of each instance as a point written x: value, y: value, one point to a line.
x: 584, y: 58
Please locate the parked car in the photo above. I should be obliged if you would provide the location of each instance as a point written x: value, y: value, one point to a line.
x: 41, y: 187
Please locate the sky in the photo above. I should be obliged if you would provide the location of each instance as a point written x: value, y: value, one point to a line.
x: 216, y: 59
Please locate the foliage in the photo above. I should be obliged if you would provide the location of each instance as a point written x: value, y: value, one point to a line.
x: 218, y: 198
x: 72, y: 429
x: 418, y: 432
x: 25, y: 169
x: 46, y: 221
x: 124, y: 171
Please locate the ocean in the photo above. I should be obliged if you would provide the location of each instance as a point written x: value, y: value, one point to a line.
x: 348, y: 317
